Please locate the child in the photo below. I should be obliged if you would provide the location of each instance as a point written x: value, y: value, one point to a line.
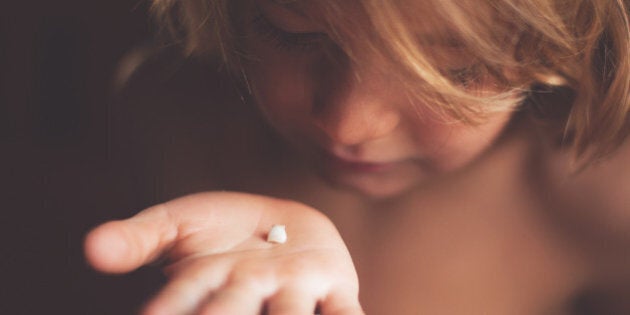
x: 452, y: 157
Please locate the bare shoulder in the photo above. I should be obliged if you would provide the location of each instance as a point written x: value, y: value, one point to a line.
x: 592, y: 207
x: 599, y: 195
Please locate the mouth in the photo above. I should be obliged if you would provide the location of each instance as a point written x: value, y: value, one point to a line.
x: 359, y: 166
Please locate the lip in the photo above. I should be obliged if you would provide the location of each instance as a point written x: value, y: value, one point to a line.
x: 357, y: 165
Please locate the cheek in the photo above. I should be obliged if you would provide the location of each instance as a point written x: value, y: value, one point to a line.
x: 282, y: 85
x: 451, y: 145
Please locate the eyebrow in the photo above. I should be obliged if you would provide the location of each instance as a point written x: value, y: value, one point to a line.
x: 284, y: 2
x: 449, y: 40
x: 291, y: 5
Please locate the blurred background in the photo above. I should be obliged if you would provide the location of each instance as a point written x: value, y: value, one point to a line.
x: 58, y: 60
x: 60, y: 64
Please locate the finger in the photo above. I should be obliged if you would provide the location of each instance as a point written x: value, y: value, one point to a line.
x: 242, y: 298
x: 122, y: 246
x: 341, y: 302
x: 188, y: 289
x: 292, y: 301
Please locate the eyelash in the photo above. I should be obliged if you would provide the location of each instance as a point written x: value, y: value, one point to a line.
x: 466, y: 76
x: 288, y: 41
x: 308, y: 42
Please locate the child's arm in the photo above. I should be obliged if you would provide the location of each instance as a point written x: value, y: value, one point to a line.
x: 221, y: 262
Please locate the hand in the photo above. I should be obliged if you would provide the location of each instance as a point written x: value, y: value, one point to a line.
x: 220, y: 262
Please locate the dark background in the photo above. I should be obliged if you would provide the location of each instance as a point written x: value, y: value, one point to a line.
x: 58, y: 173
x: 58, y: 60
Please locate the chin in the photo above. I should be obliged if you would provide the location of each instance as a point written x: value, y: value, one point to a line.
x: 371, y: 187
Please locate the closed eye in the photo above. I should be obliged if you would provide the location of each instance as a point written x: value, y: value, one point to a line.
x: 466, y: 76
x: 289, y: 41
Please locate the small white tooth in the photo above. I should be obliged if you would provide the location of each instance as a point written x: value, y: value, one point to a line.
x: 277, y: 234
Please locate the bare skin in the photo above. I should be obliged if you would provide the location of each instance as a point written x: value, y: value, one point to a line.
x: 506, y: 246
x: 428, y: 216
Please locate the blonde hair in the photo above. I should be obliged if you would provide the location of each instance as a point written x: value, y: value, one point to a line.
x: 580, y: 48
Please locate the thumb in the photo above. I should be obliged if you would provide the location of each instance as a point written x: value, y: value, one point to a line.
x: 122, y: 246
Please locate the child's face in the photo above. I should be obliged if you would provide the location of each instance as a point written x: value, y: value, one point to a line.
x: 354, y: 122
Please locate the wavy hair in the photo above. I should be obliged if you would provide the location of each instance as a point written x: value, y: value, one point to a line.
x: 562, y: 56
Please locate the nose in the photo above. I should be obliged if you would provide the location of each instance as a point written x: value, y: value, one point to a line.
x: 355, y: 107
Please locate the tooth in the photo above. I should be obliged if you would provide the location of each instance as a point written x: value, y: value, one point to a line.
x: 277, y: 234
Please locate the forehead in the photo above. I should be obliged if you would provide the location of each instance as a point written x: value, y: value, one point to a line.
x: 425, y: 21
x: 413, y: 35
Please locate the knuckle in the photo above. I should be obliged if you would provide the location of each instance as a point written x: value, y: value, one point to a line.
x: 252, y: 276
